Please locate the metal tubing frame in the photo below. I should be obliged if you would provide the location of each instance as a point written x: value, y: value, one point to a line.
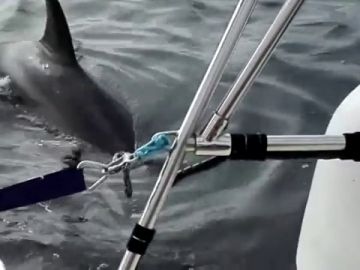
x: 222, y: 146
x: 211, y: 79
x: 306, y: 143
x: 218, y: 121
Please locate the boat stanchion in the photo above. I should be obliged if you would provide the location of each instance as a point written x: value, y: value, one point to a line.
x: 206, y: 89
x: 204, y: 93
x: 218, y: 122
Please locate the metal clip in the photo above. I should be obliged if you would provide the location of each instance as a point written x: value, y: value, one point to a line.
x: 120, y: 162
x: 87, y: 164
x: 125, y: 162
x: 127, y: 181
x: 91, y: 165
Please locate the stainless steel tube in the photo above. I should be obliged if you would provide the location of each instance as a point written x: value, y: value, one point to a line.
x: 130, y: 261
x: 203, y: 95
x: 218, y: 122
x: 222, y: 145
x: 306, y: 143
x: 219, y: 147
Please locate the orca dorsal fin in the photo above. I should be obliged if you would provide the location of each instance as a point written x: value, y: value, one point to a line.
x: 57, y: 38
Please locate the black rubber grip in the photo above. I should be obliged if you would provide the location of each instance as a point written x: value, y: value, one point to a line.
x: 352, y: 148
x: 140, y: 239
x: 248, y: 146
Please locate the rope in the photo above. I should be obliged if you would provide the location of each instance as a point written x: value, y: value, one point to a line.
x: 159, y: 143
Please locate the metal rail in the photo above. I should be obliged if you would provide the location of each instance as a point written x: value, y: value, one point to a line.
x: 306, y: 143
x: 203, y: 95
x: 206, y: 89
x: 222, y: 145
x: 261, y: 56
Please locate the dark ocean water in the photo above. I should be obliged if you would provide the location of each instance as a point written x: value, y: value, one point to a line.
x: 241, y: 215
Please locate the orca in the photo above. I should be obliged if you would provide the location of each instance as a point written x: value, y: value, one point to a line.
x: 47, y: 77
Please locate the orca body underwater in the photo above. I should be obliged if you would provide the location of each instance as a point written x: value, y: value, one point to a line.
x: 46, y: 76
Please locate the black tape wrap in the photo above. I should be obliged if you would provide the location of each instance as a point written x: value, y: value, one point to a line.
x: 140, y: 239
x: 249, y: 147
x: 352, y: 148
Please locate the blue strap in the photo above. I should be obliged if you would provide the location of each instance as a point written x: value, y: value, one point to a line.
x: 158, y: 143
x: 51, y: 186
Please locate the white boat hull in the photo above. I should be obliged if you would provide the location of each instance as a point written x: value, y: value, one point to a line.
x: 330, y: 233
